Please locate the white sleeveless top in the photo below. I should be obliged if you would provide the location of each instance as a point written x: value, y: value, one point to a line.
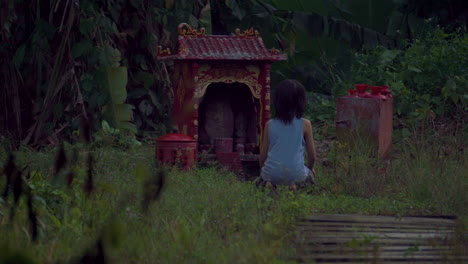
x: 285, y: 158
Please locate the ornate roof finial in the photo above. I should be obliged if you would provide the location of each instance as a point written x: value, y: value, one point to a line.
x: 275, y: 51
x: 161, y: 52
x: 249, y: 33
x: 187, y: 31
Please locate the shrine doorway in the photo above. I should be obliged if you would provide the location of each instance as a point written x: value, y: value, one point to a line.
x: 228, y: 110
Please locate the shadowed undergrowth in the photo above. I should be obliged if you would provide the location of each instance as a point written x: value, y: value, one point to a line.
x: 207, y: 216
x: 427, y: 172
x: 203, y: 216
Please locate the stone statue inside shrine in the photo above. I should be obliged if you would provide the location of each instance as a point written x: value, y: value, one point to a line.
x: 216, y: 117
x: 228, y: 111
x: 245, y: 121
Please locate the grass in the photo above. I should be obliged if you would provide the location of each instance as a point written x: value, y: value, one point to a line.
x: 203, y: 216
x: 207, y: 216
x: 425, y: 174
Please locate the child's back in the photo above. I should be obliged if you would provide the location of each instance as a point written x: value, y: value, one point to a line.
x: 285, y: 159
x: 286, y: 138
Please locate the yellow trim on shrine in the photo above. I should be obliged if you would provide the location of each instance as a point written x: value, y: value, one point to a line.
x: 203, y: 86
x: 186, y: 30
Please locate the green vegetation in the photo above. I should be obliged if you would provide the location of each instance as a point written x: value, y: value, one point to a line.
x: 428, y: 78
x: 208, y: 216
x: 429, y: 179
x: 77, y: 61
x: 87, y: 69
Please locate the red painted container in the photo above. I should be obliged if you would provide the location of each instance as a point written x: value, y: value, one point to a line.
x: 352, y: 93
x: 376, y: 92
x: 386, y: 91
x: 176, y: 150
x: 365, y: 120
x: 223, y: 145
x: 361, y: 88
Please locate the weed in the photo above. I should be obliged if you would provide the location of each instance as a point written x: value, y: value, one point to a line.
x: 197, y: 211
x: 426, y: 169
x: 200, y: 210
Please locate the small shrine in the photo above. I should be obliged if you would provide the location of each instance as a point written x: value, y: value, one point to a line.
x: 221, y: 87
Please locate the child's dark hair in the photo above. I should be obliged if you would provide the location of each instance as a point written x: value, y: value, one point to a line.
x: 289, y: 100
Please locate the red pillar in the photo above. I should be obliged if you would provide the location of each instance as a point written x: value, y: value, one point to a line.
x: 195, y: 102
x: 265, y: 100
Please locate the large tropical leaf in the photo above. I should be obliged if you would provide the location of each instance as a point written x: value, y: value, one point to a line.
x: 318, y: 7
x: 117, y: 113
x: 353, y: 34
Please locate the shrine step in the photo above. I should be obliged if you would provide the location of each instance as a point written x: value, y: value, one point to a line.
x: 230, y: 160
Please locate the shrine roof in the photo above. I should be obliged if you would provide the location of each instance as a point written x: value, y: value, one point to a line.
x: 195, y: 45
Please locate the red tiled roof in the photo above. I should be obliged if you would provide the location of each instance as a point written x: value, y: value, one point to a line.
x: 209, y: 47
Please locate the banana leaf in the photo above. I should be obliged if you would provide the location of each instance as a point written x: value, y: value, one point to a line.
x: 117, y: 113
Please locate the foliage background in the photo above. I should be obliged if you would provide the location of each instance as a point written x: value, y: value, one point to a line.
x: 66, y: 61
x: 58, y: 56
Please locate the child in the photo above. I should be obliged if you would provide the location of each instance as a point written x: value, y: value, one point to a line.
x: 286, y: 137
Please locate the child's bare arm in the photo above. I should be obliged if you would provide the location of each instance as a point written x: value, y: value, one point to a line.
x: 264, y: 149
x: 310, y: 145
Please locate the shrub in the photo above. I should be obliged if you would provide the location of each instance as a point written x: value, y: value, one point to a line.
x: 427, y: 79
x: 432, y: 169
x: 428, y: 170
x: 197, y: 212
